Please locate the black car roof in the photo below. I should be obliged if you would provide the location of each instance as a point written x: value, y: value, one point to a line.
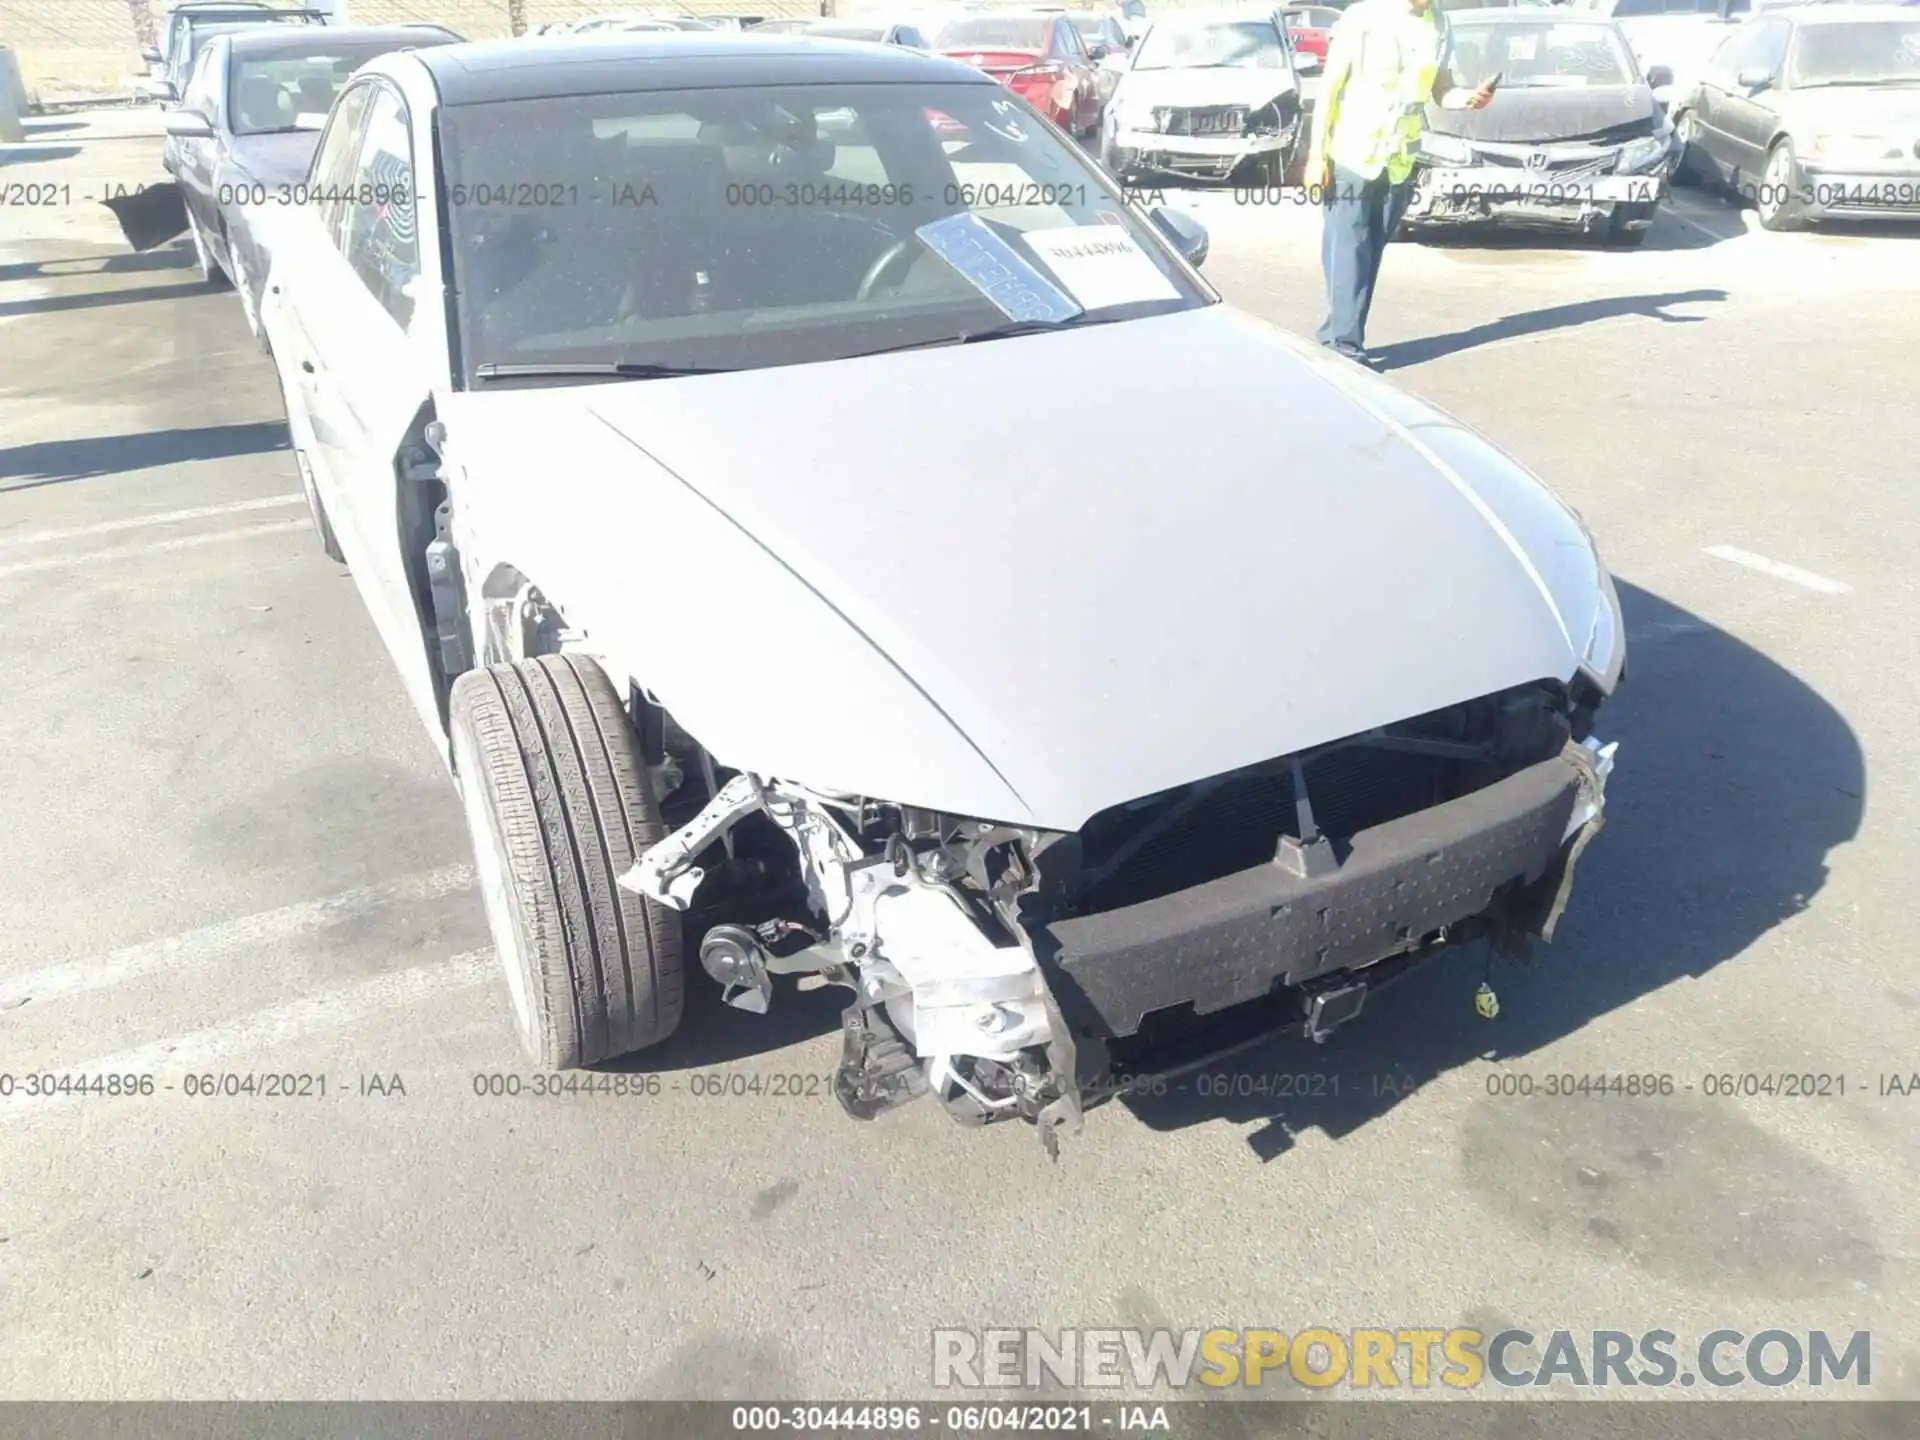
x: 543, y: 68
x: 270, y: 40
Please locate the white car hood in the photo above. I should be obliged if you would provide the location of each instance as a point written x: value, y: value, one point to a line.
x: 1031, y: 579
x: 1196, y: 86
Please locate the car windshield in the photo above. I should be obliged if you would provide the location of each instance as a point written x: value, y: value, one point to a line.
x: 1859, y: 52
x: 1092, y: 28
x: 850, y: 32
x: 996, y: 33
x: 271, y: 94
x: 1235, y: 45
x: 1545, y: 53
x: 760, y: 226
x: 1312, y: 19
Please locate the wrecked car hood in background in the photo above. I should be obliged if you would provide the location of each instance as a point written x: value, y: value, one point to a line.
x: 1543, y: 113
x: 1183, y: 89
x: 951, y: 602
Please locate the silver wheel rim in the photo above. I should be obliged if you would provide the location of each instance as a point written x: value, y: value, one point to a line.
x: 1778, y: 174
x: 490, y: 868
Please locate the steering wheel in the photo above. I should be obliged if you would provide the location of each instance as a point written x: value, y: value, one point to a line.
x: 889, y: 258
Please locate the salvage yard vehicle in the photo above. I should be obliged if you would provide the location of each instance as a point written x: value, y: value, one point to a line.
x: 188, y: 30
x: 1209, y: 95
x: 1037, y: 55
x: 1812, y: 113
x: 244, y: 135
x: 1676, y: 36
x: 1576, y: 141
x: 1061, y: 772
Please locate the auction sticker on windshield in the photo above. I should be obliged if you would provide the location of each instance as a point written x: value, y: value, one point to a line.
x: 1100, y: 266
x: 990, y: 265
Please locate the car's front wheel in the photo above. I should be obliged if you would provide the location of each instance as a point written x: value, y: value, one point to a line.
x: 1776, y: 201
x: 559, y: 806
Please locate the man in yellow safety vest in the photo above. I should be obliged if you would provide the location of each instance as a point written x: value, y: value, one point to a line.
x: 1387, y: 60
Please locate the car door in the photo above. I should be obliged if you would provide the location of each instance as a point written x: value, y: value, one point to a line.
x: 1711, y: 112
x: 1084, y: 107
x: 196, y: 158
x: 377, y: 351
x: 1749, y: 113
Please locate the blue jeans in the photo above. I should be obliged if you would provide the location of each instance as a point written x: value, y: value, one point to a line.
x: 1361, y: 216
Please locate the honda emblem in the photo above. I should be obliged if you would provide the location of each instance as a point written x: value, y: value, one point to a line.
x: 1537, y: 160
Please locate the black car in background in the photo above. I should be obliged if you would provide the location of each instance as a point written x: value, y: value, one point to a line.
x: 1812, y: 113
x: 1575, y: 141
x: 246, y: 128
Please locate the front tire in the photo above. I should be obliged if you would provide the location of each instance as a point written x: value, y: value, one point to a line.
x: 1774, y: 201
x: 559, y: 806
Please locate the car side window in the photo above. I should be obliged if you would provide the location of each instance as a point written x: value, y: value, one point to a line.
x: 382, y: 237
x: 334, y: 161
x: 1636, y: 9
x: 912, y: 38
x: 199, y: 93
x: 1724, y: 63
x: 1769, y: 45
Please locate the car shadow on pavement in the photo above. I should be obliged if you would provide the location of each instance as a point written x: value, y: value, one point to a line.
x: 1734, y: 781
x: 53, y: 462
x: 92, y: 299
x: 178, y: 257
x: 28, y: 153
x: 1536, y: 322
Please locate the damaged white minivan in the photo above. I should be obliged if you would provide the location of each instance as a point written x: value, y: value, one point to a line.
x: 827, y: 530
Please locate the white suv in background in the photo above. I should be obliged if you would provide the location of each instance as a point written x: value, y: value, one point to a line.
x: 1679, y: 34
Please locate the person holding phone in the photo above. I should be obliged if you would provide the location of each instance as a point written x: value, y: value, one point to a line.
x: 1387, y: 60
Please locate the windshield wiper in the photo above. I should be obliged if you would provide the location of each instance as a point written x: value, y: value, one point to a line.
x: 596, y: 369
x: 995, y: 332
x: 1883, y: 80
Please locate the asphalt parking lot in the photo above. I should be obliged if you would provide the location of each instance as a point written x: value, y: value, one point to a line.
x: 229, y: 848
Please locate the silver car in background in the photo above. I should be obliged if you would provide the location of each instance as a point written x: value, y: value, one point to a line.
x: 1209, y: 95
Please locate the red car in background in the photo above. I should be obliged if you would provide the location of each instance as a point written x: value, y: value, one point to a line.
x: 1040, y: 57
x: 1309, y: 28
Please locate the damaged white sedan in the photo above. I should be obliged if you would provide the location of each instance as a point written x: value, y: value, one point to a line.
x: 710, y: 442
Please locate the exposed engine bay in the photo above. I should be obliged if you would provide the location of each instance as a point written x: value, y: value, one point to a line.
x: 1013, y: 971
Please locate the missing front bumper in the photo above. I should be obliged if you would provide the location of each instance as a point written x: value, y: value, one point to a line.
x: 1504, y: 854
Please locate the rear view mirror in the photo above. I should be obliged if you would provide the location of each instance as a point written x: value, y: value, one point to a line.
x: 1305, y: 63
x: 189, y: 125
x: 1188, y: 235
x: 1659, y: 77
x: 1755, y: 78
x: 1097, y: 52
x: 150, y: 54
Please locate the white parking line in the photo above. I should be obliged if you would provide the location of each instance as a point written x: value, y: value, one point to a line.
x: 334, y: 1010
x: 185, y: 542
x: 247, y: 932
x: 1793, y: 574
x: 165, y: 517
